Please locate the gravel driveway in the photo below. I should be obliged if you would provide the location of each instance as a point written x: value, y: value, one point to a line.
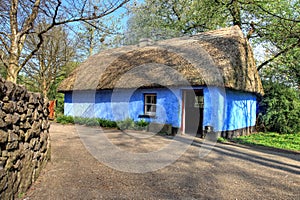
x: 227, y: 172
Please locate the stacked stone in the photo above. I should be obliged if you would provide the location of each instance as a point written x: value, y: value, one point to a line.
x: 24, y: 138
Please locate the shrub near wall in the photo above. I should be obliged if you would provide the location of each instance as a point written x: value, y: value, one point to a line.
x: 24, y: 138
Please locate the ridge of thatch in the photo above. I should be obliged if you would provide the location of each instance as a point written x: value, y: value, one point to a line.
x: 219, y: 58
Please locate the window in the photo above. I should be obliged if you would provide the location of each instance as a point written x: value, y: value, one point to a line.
x: 199, y: 102
x: 150, y: 104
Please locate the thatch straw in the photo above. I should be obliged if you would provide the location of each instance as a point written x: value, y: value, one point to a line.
x: 219, y: 58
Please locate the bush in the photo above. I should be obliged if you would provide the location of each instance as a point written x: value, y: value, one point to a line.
x: 141, y: 125
x: 129, y: 123
x: 126, y: 124
x: 122, y: 125
x: 80, y: 120
x: 91, y: 122
x: 63, y: 119
x: 59, y: 107
x: 106, y: 123
x: 280, y: 108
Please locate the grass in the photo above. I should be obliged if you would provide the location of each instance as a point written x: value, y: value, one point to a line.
x: 222, y: 140
x: 281, y: 141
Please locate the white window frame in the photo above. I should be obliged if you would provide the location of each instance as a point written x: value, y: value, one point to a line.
x: 152, y: 104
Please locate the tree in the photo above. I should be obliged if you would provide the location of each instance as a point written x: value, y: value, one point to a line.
x: 280, y: 108
x: 49, y: 62
x: 91, y: 39
x: 275, y: 25
x: 285, y: 70
x: 157, y: 19
x: 18, y: 19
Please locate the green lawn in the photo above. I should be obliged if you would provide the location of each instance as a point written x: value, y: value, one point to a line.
x: 282, y: 141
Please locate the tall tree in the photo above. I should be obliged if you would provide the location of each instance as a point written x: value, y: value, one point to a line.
x: 18, y: 19
x: 48, y: 64
x: 94, y: 36
x: 274, y: 25
x: 158, y: 19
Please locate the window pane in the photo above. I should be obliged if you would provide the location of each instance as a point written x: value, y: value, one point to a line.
x: 153, y: 108
x: 154, y: 100
x: 150, y: 104
x: 148, y: 108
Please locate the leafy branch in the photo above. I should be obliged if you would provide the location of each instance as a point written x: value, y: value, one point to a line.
x: 278, y: 54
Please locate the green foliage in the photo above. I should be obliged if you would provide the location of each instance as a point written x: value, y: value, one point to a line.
x: 122, y: 125
x: 285, y: 70
x: 59, y: 108
x: 107, y: 123
x: 3, y: 71
x: 131, y: 124
x: 141, y: 124
x: 282, y: 141
x: 272, y: 26
x: 86, y: 121
x: 21, y: 195
x: 158, y: 19
x: 63, y: 119
x: 128, y: 123
x: 280, y: 108
x: 222, y: 140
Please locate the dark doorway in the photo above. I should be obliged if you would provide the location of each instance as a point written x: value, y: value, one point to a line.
x: 193, y: 111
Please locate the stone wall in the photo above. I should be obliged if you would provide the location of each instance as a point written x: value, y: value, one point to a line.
x: 24, y: 138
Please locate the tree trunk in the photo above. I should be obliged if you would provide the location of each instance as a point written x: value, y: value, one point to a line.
x: 45, y: 88
x: 12, y: 75
x: 12, y: 70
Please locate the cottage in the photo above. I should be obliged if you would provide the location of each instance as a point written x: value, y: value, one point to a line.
x: 208, y: 79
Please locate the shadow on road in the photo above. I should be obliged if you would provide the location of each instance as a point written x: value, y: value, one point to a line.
x: 240, y: 152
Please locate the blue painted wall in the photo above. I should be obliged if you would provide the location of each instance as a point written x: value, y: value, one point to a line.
x: 223, y: 109
x: 228, y: 110
x: 214, y: 107
x: 121, y: 104
x: 241, y: 110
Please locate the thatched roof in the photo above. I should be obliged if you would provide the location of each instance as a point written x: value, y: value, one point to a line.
x: 217, y: 58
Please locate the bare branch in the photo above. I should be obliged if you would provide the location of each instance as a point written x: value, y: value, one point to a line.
x: 3, y: 33
x: 54, y: 13
x: 113, y: 8
x: 83, y: 7
x: 4, y: 61
x: 4, y: 43
x: 28, y: 25
x: 97, y: 27
x: 40, y: 36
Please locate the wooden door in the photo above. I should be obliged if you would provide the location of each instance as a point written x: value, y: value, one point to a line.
x: 193, y: 111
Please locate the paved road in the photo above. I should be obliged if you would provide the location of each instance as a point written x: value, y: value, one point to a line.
x: 227, y: 172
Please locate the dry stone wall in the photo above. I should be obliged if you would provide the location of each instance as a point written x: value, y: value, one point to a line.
x: 24, y: 138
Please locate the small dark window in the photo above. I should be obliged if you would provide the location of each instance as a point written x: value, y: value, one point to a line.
x: 150, y: 104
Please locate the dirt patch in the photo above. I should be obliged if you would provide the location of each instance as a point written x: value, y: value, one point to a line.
x: 227, y: 172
